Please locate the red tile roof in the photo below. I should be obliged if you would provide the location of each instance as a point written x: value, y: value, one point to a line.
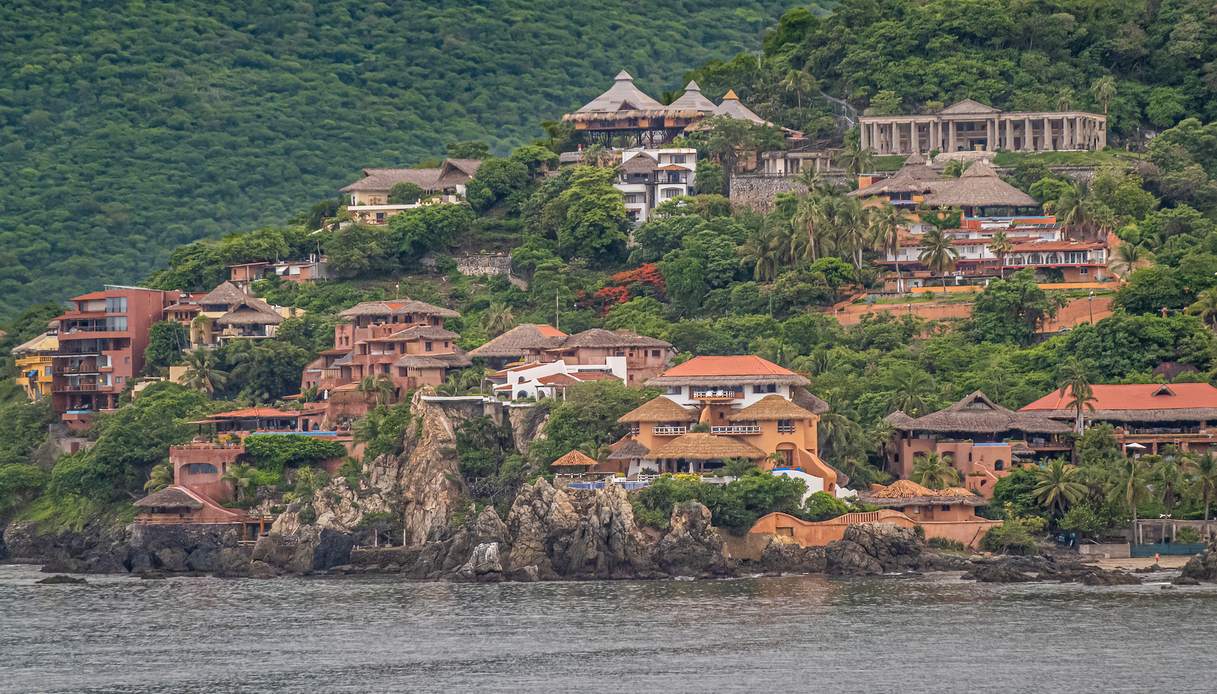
x: 735, y: 365
x: 91, y: 296
x: 1135, y: 396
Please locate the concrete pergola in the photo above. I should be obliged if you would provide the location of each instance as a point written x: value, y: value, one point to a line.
x: 970, y: 125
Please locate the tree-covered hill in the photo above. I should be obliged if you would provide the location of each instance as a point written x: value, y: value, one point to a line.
x: 127, y: 129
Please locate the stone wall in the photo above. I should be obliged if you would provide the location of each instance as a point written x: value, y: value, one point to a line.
x: 476, y: 264
x: 757, y: 192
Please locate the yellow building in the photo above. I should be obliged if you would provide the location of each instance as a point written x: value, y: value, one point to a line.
x: 34, y: 361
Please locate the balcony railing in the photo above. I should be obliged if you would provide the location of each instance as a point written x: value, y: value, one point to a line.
x: 736, y: 429
x: 716, y: 394
x: 669, y: 431
x: 786, y: 428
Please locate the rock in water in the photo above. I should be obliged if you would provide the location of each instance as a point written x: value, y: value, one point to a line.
x: 60, y: 579
x: 308, y: 549
x: 874, y: 548
x: 692, y: 546
x: 541, y: 525
x: 1203, y: 566
x: 607, y: 542
x: 484, y: 564
x: 784, y: 555
x: 431, y: 483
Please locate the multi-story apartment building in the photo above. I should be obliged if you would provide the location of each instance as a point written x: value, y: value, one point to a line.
x: 101, y: 347
x: 35, y: 364
x: 647, y: 177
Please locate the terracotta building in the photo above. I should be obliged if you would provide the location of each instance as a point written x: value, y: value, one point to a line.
x: 101, y: 347
x: 1146, y: 416
x: 980, y: 439
x: 718, y: 408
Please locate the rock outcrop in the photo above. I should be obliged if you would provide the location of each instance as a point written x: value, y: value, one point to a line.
x: 1203, y: 566
x: 874, y: 548
x: 430, y: 476
x: 692, y: 546
x: 541, y: 525
x: 302, y: 549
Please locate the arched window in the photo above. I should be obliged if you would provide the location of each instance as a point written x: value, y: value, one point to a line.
x: 999, y: 465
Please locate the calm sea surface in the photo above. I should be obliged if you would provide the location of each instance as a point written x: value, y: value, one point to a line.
x: 927, y: 634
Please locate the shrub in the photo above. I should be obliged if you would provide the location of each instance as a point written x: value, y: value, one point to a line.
x: 947, y: 544
x: 277, y: 452
x: 1188, y: 536
x: 20, y: 483
x: 822, y: 506
x: 1014, y: 536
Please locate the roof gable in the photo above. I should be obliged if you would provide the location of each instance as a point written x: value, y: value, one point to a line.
x: 968, y: 106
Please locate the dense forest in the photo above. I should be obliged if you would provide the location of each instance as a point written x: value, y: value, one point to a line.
x: 127, y: 129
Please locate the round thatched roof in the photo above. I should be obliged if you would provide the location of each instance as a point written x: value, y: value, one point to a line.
x: 659, y: 409
x: 769, y: 408
x: 700, y: 446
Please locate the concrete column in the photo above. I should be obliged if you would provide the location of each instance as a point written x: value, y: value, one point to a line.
x: 1009, y: 144
x: 1028, y: 136
x: 1047, y: 134
x: 896, y: 148
x: 936, y: 135
x: 914, y: 137
x: 1102, y: 135
x: 1065, y: 143
x: 990, y: 135
x: 950, y: 135
x: 863, y: 136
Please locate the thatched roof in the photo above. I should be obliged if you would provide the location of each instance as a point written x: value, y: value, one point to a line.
x: 519, y: 341
x: 248, y: 314
x: 808, y: 400
x: 693, y: 99
x: 456, y: 172
x: 170, y: 497
x: 733, y: 108
x: 419, y: 332
x: 598, y: 337
x: 700, y: 446
x: 574, y: 459
x: 226, y: 294
x: 979, y: 186
x: 622, y: 96
x: 977, y: 414
x: 397, y: 307
x: 377, y: 180
x: 452, y: 360
x: 769, y: 408
x: 911, y: 178
x: 628, y: 449
x: 659, y: 409
x: 641, y: 163
x: 908, y: 493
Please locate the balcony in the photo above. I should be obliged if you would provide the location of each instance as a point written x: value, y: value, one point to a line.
x: 717, y: 394
x: 77, y: 388
x: 669, y: 431
x: 737, y: 429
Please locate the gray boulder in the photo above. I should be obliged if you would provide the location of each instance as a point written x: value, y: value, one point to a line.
x: 692, y: 546
x: 874, y: 548
x: 1203, y: 566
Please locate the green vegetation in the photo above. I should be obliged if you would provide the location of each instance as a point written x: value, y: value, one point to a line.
x: 278, y: 452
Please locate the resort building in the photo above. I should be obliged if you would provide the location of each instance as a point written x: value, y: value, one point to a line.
x: 969, y: 125
x: 368, y: 198
x: 226, y: 313
x: 645, y: 357
x: 625, y: 111
x: 982, y: 440
x: 977, y: 193
x: 34, y: 361
x: 540, y: 380
x: 647, y: 177
x: 1147, y: 416
x: 101, y: 347
x: 719, y: 408
x: 310, y: 269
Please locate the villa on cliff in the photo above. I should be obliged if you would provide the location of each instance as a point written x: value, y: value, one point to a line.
x: 969, y: 125
x: 982, y: 440
x: 303, y: 271
x: 34, y: 362
x: 368, y: 198
x: 532, y: 344
x: 226, y: 313
x: 715, y: 409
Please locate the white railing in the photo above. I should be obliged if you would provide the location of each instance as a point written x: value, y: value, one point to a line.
x: 737, y: 429
x: 669, y: 431
x: 715, y: 393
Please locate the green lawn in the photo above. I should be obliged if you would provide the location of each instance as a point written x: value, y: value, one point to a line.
x: 1098, y: 158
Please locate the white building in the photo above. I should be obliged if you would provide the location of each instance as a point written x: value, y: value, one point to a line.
x: 549, y: 380
x: 648, y: 177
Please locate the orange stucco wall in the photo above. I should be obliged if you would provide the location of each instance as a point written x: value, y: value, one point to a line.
x: 818, y: 534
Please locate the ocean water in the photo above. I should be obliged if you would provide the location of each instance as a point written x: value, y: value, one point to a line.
x: 932, y: 633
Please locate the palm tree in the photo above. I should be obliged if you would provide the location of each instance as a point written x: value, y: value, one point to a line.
x: 799, y: 82
x: 938, y: 254
x: 242, y: 478
x: 1104, y: 90
x: 909, y: 386
x: 1129, y: 486
x: 1127, y: 258
x: 1058, y: 486
x: 379, y: 385
x: 1001, y: 246
x: 1203, y: 474
x: 1076, y: 385
x: 462, y: 382
x: 855, y: 159
x: 498, y: 319
x: 161, y: 476
x: 886, y: 223
x: 808, y: 216
x: 1205, y: 306
x: 203, y: 372
x: 1168, y: 481
x: 935, y: 471
x: 759, y: 251
x: 1064, y: 99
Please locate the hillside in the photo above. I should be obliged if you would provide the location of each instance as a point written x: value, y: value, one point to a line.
x: 128, y: 130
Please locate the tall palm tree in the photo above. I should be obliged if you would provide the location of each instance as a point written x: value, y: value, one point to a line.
x: 498, y: 319
x: 1064, y: 99
x: 1168, y: 481
x: 855, y: 159
x: 798, y: 81
x: 203, y: 372
x: 886, y: 223
x: 1075, y: 383
x: 1202, y: 472
x: 242, y: 478
x: 938, y: 254
x: 808, y: 217
x: 1001, y: 246
x: 760, y: 252
x: 934, y: 471
x: 910, y: 390
x: 1058, y: 486
x: 1104, y: 90
x: 159, y: 477
x: 1129, y: 484
x: 378, y: 385
x: 1205, y: 306
x: 1128, y: 257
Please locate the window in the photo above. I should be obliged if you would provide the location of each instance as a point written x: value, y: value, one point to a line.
x: 670, y: 193
x: 427, y: 346
x: 999, y: 465
x: 117, y: 323
x: 116, y: 304
x: 673, y: 390
x: 945, y: 507
x: 634, y: 427
x: 654, y: 353
x: 678, y: 158
x: 380, y: 217
x: 785, y: 426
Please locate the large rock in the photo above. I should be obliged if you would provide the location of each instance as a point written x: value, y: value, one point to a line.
x: 307, y: 550
x: 212, y: 549
x: 541, y: 525
x: 874, y: 548
x: 98, y: 547
x: 1203, y: 566
x: 692, y: 546
x: 606, y: 543
x: 784, y: 555
x: 484, y: 563
x: 430, y: 480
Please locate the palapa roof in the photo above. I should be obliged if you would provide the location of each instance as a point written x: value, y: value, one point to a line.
x: 768, y: 408
x: 628, y: 449
x: 659, y: 409
x: 519, y: 341
x: 455, y: 172
x: 397, y: 307
x: 419, y: 332
x: 170, y: 497
x: 375, y: 180
x: 701, y: 446
x: 574, y: 459
x: 733, y: 108
x: 976, y: 414
x: 250, y: 314
x: 693, y: 99
x: 450, y: 360
x: 41, y: 343
x: 622, y: 96
x: 909, y: 493
x: 737, y: 369
x: 978, y: 186
x: 598, y: 337
x: 1134, y: 402
x: 913, y: 177
x: 226, y: 294
x: 808, y: 400
x: 640, y: 163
